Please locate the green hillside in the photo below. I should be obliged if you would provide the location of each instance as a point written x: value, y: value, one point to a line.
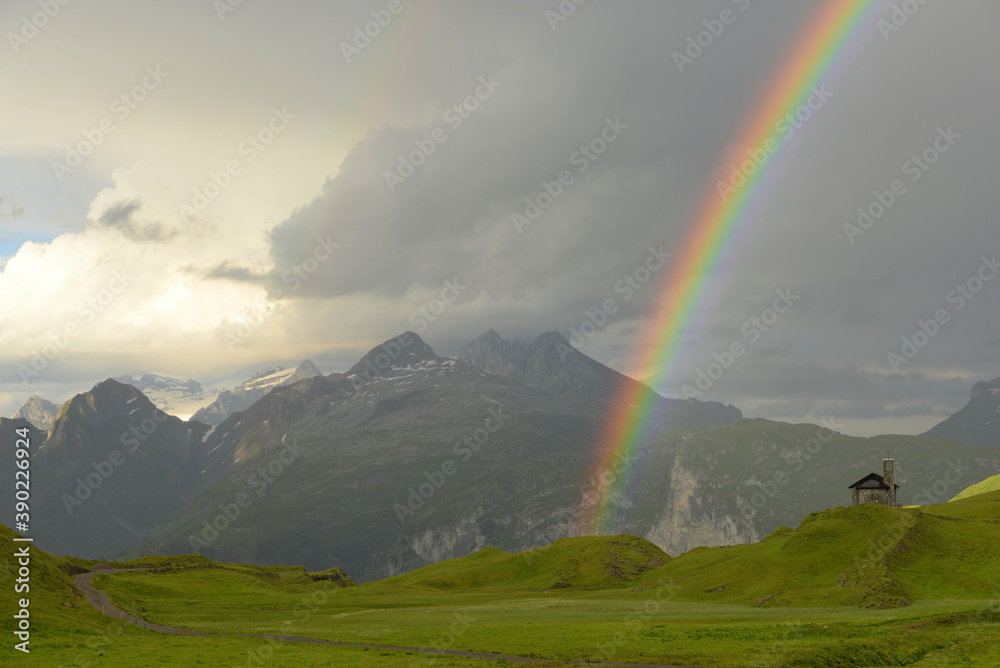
x: 859, y: 586
x: 991, y: 484
x: 868, y: 556
x: 586, y: 562
x: 67, y: 631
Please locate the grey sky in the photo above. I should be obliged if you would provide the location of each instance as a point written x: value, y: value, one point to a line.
x: 278, y: 148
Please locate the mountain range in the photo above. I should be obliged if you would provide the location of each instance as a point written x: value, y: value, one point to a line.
x: 409, y: 458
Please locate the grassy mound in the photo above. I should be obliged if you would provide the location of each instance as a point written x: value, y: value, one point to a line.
x: 586, y: 562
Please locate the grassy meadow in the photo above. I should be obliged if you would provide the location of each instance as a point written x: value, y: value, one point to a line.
x: 864, y: 586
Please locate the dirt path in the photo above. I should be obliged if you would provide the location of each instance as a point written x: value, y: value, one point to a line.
x: 99, y: 599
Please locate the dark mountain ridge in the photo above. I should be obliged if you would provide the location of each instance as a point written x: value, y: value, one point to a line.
x: 979, y: 420
x: 551, y: 364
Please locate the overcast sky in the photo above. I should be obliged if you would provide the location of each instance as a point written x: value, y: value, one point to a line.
x: 201, y: 190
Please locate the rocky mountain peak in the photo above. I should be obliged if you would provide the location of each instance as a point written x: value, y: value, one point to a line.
x: 39, y: 412
x: 111, y: 398
x: 984, y: 387
x: 550, y: 339
x: 979, y: 420
x: 305, y: 369
x: 407, y: 349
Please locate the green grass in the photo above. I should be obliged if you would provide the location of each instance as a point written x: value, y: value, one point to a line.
x: 991, y: 484
x: 586, y: 562
x: 868, y: 556
x: 610, y: 625
x: 864, y: 586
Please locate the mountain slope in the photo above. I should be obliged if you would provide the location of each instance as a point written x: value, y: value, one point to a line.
x: 411, y: 458
x: 113, y: 467
x: 552, y: 365
x: 979, y: 420
x: 242, y: 397
x: 38, y: 412
x: 407, y: 459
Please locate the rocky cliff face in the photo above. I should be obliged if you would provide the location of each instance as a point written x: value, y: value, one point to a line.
x: 695, y: 516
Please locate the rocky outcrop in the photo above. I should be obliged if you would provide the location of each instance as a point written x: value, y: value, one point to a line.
x: 695, y: 517
x: 39, y: 412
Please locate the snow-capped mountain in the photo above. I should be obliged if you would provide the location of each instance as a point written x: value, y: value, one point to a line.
x: 242, y: 397
x: 173, y: 396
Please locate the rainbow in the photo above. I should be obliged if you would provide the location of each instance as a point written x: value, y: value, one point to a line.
x: 837, y: 26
